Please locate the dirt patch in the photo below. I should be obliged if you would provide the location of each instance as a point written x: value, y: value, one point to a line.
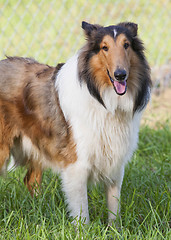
x: 158, y: 111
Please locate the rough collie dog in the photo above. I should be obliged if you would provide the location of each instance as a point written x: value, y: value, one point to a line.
x: 81, y: 118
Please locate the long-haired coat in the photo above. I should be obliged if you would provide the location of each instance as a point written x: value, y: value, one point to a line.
x: 81, y: 118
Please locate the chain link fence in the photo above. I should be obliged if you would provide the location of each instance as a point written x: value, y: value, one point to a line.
x: 50, y: 31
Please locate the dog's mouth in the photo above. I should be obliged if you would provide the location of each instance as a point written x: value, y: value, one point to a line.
x: 119, y: 86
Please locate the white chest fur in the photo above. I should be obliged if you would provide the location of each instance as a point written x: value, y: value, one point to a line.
x: 105, y: 138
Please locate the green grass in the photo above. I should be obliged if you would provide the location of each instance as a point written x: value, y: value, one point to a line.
x: 50, y: 31
x: 145, y: 200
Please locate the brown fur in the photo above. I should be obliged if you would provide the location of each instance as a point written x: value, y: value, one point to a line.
x: 29, y: 108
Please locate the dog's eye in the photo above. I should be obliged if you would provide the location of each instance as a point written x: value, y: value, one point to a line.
x: 105, y: 48
x: 126, y: 45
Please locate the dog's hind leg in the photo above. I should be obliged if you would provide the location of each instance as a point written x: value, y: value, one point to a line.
x: 4, y: 155
x: 33, y: 178
x: 7, y: 134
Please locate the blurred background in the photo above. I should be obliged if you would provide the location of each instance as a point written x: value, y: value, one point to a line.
x: 50, y: 31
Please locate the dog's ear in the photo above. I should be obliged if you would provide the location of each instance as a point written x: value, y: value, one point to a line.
x: 89, y: 28
x: 132, y: 27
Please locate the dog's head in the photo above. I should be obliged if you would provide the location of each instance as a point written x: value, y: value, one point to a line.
x: 113, y: 57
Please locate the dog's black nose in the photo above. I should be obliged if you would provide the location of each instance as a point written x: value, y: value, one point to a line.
x: 120, y: 74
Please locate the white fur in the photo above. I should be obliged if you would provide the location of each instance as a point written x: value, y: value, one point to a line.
x: 105, y: 141
x: 29, y: 149
x: 115, y: 32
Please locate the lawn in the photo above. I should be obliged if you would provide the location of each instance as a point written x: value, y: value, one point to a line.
x: 145, y: 200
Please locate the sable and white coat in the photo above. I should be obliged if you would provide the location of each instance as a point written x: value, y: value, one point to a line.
x: 81, y: 118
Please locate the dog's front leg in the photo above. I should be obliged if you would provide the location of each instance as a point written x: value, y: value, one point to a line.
x: 113, y: 195
x: 75, y: 187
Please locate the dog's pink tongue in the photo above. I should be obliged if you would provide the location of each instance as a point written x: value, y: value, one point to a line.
x: 120, y: 87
